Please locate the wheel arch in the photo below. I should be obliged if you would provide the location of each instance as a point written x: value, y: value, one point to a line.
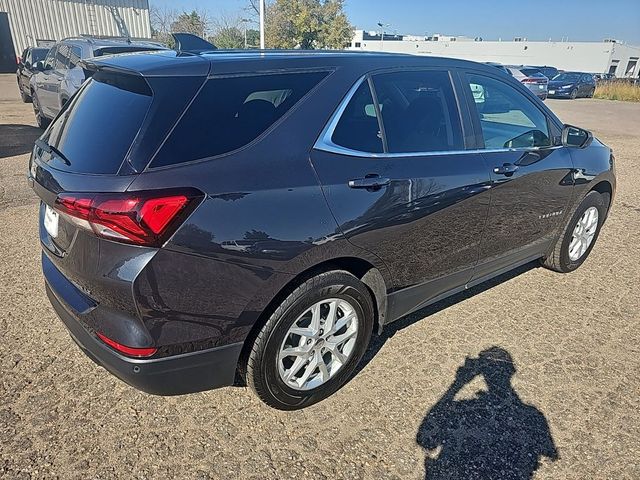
x: 362, y: 269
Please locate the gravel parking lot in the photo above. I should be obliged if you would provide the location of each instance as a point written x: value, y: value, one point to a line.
x: 574, y: 340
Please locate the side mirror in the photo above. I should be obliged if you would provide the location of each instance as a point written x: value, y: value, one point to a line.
x: 576, y: 137
x: 39, y: 66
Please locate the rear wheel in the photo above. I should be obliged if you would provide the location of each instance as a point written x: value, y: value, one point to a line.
x: 579, y: 235
x: 313, y: 342
x: 591, y: 93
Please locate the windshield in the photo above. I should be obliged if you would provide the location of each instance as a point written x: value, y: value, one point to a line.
x: 567, y: 77
x: 98, y: 52
x: 38, y: 54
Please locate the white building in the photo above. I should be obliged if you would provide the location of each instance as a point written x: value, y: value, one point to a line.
x: 33, y: 22
x: 607, y: 56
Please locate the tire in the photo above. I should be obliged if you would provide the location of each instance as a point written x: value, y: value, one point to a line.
x: 42, y: 121
x: 265, y: 371
x: 574, y: 94
x: 591, y: 93
x: 26, y: 98
x: 560, y: 259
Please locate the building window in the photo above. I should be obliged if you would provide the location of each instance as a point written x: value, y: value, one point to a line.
x: 358, y: 44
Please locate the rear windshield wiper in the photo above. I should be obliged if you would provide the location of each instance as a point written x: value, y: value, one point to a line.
x: 42, y: 145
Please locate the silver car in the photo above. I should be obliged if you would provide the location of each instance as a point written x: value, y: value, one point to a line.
x: 533, y: 79
x: 59, y: 76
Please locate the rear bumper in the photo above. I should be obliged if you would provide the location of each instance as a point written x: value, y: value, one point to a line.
x: 174, y: 375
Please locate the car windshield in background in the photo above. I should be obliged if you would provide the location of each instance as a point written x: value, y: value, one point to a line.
x: 116, y: 104
x: 38, y: 54
x: 99, y: 52
x: 532, y: 72
x: 567, y: 77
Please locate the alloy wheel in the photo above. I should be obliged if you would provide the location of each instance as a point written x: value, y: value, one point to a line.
x: 318, y: 344
x: 583, y: 233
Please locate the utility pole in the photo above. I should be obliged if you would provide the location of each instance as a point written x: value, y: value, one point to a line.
x: 261, y: 24
x: 382, y: 25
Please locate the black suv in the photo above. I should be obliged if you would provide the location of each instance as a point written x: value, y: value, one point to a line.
x: 267, y: 212
x: 26, y: 68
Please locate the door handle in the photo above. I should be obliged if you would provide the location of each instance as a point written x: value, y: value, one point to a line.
x: 369, y: 181
x: 506, y: 169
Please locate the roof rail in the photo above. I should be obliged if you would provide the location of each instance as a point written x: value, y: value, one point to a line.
x: 189, y: 43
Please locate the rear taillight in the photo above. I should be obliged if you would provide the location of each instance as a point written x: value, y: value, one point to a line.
x: 142, y: 218
x: 534, y: 80
x: 129, y: 351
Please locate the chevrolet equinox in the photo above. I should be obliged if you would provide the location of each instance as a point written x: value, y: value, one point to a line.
x: 263, y: 214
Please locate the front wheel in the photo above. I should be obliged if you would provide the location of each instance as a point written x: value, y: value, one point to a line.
x: 313, y: 342
x: 574, y: 94
x: 579, y: 235
x: 42, y: 121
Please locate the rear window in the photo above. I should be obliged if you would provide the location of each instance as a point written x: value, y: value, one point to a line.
x: 531, y: 72
x: 97, y: 129
x: 231, y: 112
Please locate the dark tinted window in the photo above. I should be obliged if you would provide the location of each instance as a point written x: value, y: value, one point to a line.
x: 419, y: 111
x: 98, y: 52
x: 229, y: 113
x: 97, y: 129
x: 358, y: 127
x: 531, y: 72
x: 38, y: 54
x: 508, y: 118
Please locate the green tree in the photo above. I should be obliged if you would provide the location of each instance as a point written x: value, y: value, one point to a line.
x: 194, y: 22
x: 228, y: 37
x: 307, y: 24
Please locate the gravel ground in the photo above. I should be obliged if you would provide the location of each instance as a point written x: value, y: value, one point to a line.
x: 574, y: 340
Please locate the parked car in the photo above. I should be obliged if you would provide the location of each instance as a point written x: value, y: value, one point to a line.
x: 500, y: 67
x: 59, y: 76
x: 30, y: 56
x: 532, y: 79
x: 572, y: 85
x: 547, y: 71
x: 603, y: 77
x: 260, y: 213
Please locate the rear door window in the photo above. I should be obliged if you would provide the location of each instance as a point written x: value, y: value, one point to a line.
x: 231, y: 112
x: 358, y: 128
x: 507, y: 117
x: 419, y: 111
x: 97, y: 129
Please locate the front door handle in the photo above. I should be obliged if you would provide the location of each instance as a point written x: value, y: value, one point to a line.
x: 506, y: 169
x: 369, y: 181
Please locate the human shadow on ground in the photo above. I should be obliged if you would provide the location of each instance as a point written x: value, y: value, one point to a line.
x: 17, y: 139
x: 492, y: 435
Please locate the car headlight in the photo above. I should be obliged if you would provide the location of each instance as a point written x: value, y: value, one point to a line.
x: 566, y: 86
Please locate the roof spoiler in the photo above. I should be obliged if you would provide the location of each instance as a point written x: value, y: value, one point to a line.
x: 189, y: 43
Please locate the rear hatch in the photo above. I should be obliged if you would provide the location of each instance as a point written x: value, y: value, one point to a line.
x: 96, y: 146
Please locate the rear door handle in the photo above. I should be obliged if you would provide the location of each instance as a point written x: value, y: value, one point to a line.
x: 507, y: 169
x: 369, y: 181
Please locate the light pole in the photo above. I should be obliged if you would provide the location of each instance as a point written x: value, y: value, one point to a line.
x: 382, y: 25
x: 261, y: 24
x: 244, y: 24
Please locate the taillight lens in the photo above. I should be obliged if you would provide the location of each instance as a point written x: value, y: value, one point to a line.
x: 142, y: 218
x: 129, y: 351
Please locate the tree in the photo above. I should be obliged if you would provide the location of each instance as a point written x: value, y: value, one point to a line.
x: 228, y: 37
x: 195, y: 22
x: 307, y: 24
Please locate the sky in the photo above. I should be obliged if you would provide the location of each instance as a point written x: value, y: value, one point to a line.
x: 579, y: 20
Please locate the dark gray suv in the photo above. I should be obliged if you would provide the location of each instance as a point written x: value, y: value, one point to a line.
x: 266, y: 213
